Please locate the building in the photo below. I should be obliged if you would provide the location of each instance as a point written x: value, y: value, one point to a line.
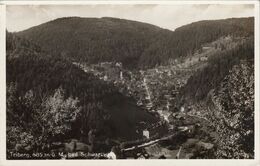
x: 118, y: 64
x: 111, y: 155
x: 204, y: 58
x: 146, y: 133
x: 206, y: 48
x: 105, y: 78
x: 182, y: 109
x: 121, y: 75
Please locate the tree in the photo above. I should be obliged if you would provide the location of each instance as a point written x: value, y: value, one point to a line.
x: 32, y: 124
x: 236, y: 98
x: 22, y: 130
x: 59, y: 113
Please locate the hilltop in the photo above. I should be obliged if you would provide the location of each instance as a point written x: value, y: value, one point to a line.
x: 135, y: 44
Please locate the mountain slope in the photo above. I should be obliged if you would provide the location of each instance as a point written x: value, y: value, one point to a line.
x: 231, y: 108
x: 134, y: 43
x: 38, y: 83
x: 202, y: 81
x: 223, y: 93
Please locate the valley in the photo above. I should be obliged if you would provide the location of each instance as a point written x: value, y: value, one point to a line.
x: 157, y: 90
x: 127, y: 90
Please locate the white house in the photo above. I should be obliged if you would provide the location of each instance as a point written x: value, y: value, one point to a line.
x: 121, y: 75
x: 111, y: 155
x: 146, y: 133
x: 182, y: 109
x: 118, y: 64
x: 105, y: 78
x: 204, y: 58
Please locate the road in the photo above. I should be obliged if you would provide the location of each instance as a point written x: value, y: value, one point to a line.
x: 151, y: 142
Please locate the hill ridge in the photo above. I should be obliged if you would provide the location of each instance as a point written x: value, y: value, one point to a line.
x: 135, y: 44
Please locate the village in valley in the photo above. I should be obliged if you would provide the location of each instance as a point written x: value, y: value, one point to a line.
x: 156, y: 90
x: 113, y: 81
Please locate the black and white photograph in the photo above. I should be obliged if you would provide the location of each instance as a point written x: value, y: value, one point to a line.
x: 130, y: 81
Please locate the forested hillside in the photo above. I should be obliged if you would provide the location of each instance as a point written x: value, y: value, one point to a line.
x: 231, y: 110
x: 223, y: 93
x: 202, y: 81
x: 48, y: 99
x: 134, y: 43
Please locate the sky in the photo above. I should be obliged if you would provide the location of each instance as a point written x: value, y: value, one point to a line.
x: 21, y: 17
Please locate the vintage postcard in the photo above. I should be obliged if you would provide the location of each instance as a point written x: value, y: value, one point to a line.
x: 111, y: 82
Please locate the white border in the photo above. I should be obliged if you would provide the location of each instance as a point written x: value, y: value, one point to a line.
x: 2, y: 84
x: 88, y: 2
x: 150, y: 162
x: 257, y: 90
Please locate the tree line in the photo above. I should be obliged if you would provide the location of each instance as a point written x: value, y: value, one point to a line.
x: 135, y: 44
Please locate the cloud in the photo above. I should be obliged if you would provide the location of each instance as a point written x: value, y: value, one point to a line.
x: 20, y: 17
